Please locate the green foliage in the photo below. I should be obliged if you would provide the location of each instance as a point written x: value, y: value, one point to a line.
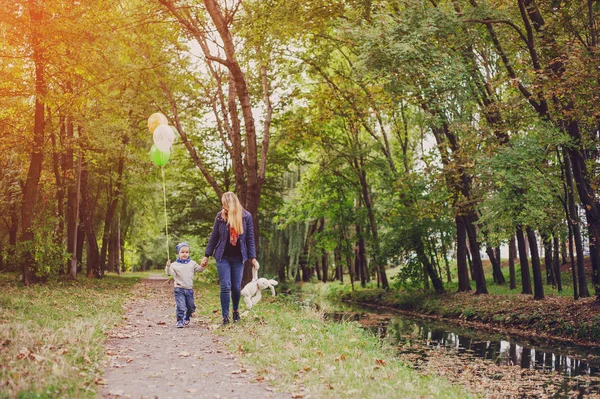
x: 525, y: 191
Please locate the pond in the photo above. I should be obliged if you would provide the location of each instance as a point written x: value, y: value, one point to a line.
x: 541, y: 368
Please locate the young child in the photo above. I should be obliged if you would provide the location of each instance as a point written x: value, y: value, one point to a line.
x: 183, y: 270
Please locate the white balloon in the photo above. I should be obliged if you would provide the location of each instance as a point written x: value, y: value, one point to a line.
x: 164, y: 136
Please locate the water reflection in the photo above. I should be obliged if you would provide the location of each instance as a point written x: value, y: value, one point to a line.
x: 504, y: 352
x: 405, y: 331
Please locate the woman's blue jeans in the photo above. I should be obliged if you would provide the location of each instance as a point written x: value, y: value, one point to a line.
x: 231, y: 269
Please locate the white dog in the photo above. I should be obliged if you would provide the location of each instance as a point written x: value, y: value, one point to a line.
x: 252, y: 292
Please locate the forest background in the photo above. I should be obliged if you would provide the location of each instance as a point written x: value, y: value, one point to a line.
x: 361, y: 135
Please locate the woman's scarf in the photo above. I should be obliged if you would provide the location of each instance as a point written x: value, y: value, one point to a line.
x: 233, y: 236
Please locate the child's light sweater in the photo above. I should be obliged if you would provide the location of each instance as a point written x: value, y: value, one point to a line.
x: 183, y: 273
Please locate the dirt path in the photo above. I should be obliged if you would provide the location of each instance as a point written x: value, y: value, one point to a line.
x: 149, y: 358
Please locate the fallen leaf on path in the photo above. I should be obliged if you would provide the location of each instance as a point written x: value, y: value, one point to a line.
x: 161, y: 322
x: 117, y: 392
x: 119, y: 336
x: 38, y: 358
x: 191, y: 390
x: 183, y: 354
x: 341, y: 358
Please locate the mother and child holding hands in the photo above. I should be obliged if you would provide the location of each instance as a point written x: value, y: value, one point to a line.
x: 231, y: 243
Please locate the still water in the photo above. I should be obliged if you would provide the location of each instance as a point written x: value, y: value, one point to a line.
x: 580, y: 366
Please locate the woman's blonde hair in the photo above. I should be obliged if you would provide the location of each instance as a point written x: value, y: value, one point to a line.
x: 234, y: 209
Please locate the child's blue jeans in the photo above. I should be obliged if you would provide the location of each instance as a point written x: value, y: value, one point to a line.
x: 184, y: 299
x: 231, y: 269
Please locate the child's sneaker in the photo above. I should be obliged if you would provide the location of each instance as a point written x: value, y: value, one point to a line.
x: 179, y: 324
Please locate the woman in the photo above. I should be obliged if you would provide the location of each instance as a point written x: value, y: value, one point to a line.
x: 231, y: 243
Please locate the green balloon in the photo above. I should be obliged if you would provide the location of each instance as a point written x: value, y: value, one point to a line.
x: 160, y: 158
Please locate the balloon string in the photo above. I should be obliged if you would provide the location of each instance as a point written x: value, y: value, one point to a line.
x: 162, y: 169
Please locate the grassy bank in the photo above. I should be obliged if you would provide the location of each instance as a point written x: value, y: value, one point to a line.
x: 293, y: 347
x: 557, y: 316
x: 52, y: 335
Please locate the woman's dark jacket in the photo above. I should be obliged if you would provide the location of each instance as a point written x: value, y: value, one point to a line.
x: 220, y: 235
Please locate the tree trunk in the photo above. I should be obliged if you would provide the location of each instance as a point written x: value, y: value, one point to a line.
x: 304, y: 256
x: 470, y: 262
x: 325, y: 265
x: 556, y: 263
x: 37, y: 149
x: 446, y: 262
x: 80, y: 243
x: 575, y: 227
x: 430, y: 272
x: 119, y: 253
x: 69, y: 178
x: 525, y: 277
x: 496, y: 271
x: 594, y: 259
x: 318, y: 269
x: 478, y: 274
x: 348, y: 255
x: 380, y: 269
x: 547, y: 242
x: 573, y: 265
x: 461, y: 255
x: 93, y: 254
x: 76, y: 235
x: 512, y: 252
x: 60, y: 194
x: 563, y: 251
x: 111, y: 209
x: 538, y: 281
x: 364, y: 267
x: 337, y: 259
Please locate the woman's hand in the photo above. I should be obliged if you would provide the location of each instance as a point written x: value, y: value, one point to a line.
x: 255, y: 264
x: 204, y: 262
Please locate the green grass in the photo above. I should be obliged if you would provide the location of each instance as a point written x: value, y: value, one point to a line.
x: 294, y: 348
x: 52, y: 335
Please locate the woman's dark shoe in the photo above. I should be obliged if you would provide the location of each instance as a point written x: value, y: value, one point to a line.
x: 225, y: 321
x: 236, y: 316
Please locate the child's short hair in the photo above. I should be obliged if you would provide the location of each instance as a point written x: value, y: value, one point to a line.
x: 181, y: 245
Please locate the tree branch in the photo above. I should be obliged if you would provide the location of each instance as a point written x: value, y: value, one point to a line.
x: 266, y: 126
x: 188, y: 145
